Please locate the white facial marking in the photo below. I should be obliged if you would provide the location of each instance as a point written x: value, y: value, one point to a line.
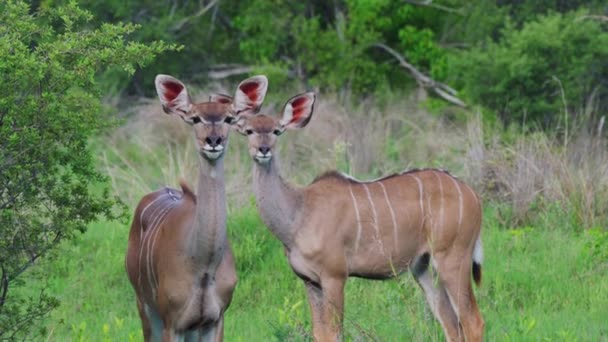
x: 213, y: 155
x: 210, y: 148
x: 390, y: 208
x: 263, y: 158
x: 358, y: 217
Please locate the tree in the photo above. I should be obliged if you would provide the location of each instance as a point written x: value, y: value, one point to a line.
x: 49, y: 109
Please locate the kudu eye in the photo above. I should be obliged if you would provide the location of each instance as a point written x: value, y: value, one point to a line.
x: 277, y: 132
x: 249, y: 132
x: 229, y: 120
x: 196, y: 119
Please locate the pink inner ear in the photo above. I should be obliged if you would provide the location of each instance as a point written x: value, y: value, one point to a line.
x: 172, y: 89
x: 299, y: 107
x: 251, y: 90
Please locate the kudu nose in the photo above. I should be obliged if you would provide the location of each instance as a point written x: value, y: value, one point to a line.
x: 264, y: 150
x: 213, y: 141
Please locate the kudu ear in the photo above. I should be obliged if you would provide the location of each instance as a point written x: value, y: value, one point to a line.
x: 173, y: 96
x: 298, y: 111
x: 221, y: 98
x: 250, y: 94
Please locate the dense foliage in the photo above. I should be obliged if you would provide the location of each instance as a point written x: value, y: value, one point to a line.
x: 522, y: 60
x: 551, y: 64
x: 49, y: 108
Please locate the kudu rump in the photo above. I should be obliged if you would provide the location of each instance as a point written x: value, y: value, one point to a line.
x: 425, y: 221
x: 179, y: 259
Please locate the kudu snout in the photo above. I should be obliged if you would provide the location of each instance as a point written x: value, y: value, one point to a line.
x: 213, y: 140
x: 264, y: 149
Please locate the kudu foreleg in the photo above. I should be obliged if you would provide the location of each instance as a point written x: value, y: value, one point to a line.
x: 327, y: 308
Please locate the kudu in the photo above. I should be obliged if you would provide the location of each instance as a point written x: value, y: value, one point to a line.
x: 179, y: 259
x: 425, y: 221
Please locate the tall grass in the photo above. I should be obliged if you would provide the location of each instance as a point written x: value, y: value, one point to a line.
x: 525, y: 173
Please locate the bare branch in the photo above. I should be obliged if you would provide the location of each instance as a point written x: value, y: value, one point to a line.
x: 202, y: 11
x: 441, y: 89
x: 603, y: 18
x: 227, y: 71
x: 429, y: 3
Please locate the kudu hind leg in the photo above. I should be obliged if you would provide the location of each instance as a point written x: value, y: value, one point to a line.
x: 437, y: 298
x: 145, y: 322
x: 455, y: 274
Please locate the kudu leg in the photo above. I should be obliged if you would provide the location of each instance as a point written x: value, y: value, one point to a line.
x: 214, y: 333
x: 455, y: 273
x: 439, y: 302
x: 327, y: 309
x: 145, y: 322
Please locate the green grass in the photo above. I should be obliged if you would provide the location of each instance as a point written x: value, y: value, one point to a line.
x: 540, y: 284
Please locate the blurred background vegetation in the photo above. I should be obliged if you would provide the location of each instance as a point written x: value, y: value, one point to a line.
x: 509, y: 95
x: 522, y: 60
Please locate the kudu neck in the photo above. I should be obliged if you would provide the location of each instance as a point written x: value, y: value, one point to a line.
x: 207, y: 241
x: 276, y: 200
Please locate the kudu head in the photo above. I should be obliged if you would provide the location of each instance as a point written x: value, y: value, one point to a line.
x: 211, y: 120
x: 262, y: 130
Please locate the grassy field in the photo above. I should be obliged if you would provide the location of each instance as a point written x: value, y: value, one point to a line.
x: 540, y: 283
x: 545, y: 269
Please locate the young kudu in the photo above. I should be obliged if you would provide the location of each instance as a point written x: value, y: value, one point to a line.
x: 425, y: 221
x: 179, y: 260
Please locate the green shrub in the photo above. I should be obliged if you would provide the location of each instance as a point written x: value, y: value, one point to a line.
x: 534, y: 74
x: 50, y: 107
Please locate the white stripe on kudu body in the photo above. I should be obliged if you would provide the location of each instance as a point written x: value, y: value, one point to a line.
x: 421, y: 199
x: 358, y: 216
x: 152, y: 274
x: 144, y: 235
x: 441, y: 199
x: 459, y: 201
x: 150, y: 233
x: 390, y: 208
x: 375, y: 217
x: 325, y: 247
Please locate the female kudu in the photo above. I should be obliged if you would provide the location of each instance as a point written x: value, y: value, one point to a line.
x: 425, y: 221
x: 179, y: 260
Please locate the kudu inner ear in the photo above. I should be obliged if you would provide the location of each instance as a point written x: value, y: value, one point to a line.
x: 298, y: 111
x: 173, y: 95
x: 250, y: 94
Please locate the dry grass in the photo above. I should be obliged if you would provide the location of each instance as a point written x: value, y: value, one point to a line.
x: 538, y: 170
x: 525, y: 174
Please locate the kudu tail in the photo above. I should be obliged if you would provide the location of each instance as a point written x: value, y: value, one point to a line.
x: 477, y: 260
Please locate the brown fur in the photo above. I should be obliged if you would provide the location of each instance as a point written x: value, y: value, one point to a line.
x: 423, y: 220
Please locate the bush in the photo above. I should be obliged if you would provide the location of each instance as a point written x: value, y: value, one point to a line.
x: 50, y: 107
x: 531, y: 75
